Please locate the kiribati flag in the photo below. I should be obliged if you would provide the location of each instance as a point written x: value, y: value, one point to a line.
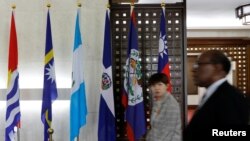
x: 106, y: 127
x: 13, y: 115
x: 133, y: 95
x: 163, y: 61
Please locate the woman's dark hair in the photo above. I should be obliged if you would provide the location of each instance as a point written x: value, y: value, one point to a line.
x: 158, y: 77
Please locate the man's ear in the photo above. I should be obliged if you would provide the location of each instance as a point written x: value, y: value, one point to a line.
x: 219, y: 68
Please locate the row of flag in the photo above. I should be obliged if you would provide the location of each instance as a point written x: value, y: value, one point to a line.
x: 78, y: 106
x: 132, y: 96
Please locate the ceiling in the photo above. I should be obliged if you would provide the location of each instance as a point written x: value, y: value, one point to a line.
x: 202, y: 14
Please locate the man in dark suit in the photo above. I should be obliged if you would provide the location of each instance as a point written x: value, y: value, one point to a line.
x: 223, y: 107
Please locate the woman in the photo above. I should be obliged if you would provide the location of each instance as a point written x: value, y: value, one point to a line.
x: 165, y: 114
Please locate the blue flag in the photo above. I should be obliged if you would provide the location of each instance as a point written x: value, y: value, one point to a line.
x: 78, y: 106
x: 49, y: 83
x: 132, y: 98
x: 163, y: 61
x: 106, y: 127
x: 13, y: 115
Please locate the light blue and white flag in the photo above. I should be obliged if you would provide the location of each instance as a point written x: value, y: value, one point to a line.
x: 78, y: 106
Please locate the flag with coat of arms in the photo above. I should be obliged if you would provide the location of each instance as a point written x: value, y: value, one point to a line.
x: 132, y: 97
x: 106, y: 126
x: 78, y: 104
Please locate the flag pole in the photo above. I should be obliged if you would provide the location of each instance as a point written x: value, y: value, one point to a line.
x: 18, y: 134
x: 163, y: 4
x: 79, y: 4
x: 18, y: 131
x: 13, y: 6
x: 18, y: 125
x: 50, y: 131
x: 132, y: 2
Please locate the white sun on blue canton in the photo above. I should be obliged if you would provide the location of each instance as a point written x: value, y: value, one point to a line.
x: 51, y: 73
x: 162, y: 45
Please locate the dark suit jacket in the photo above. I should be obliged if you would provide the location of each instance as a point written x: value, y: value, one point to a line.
x: 225, y: 109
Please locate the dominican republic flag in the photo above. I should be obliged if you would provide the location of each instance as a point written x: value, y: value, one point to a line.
x: 78, y: 106
x: 163, y: 62
x: 13, y: 115
x: 49, y: 82
x: 106, y: 127
x: 132, y: 98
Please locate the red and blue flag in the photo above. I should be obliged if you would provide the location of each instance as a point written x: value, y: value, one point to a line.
x: 13, y: 115
x: 163, y: 56
x: 132, y: 98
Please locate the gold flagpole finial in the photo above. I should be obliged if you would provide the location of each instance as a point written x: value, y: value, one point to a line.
x: 163, y: 4
x: 108, y: 5
x: 79, y: 4
x: 13, y: 6
x: 132, y: 3
x: 50, y: 131
x: 48, y: 5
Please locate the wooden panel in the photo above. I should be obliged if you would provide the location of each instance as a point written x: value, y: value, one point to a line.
x: 236, y: 49
x: 194, y: 42
x: 248, y: 70
x: 191, y: 88
x: 148, y: 23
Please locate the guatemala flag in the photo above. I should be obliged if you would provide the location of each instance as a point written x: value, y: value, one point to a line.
x: 13, y: 115
x: 49, y: 82
x: 163, y: 63
x: 78, y: 107
x: 132, y: 98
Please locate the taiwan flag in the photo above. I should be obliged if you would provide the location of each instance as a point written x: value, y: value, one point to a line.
x: 163, y: 62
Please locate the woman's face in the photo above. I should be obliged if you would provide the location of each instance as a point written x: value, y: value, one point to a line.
x: 158, y: 90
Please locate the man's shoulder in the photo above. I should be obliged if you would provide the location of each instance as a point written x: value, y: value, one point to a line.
x: 226, y: 89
